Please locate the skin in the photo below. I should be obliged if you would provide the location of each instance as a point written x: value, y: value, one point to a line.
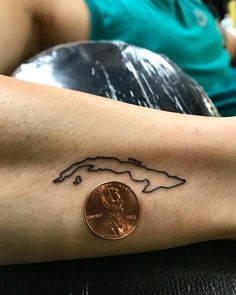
x: 36, y: 25
x: 42, y: 221
x: 231, y: 47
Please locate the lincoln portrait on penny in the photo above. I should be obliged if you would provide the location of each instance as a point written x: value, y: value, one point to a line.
x: 113, y: 220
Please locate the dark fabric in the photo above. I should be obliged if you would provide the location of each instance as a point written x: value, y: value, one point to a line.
x: 201, y: 269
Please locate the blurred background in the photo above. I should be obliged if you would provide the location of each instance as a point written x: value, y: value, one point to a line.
x: 225, y: 12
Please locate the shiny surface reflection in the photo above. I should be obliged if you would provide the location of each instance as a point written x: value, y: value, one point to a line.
x: 121, y: 72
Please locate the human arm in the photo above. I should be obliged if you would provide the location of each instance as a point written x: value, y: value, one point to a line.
x: 30, y: 26
x: 231, y: 47
x: 44, y: 130
x: 229, y: 42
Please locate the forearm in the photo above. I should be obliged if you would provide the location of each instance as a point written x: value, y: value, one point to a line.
x: 231, y: 47
x: 18, y: 34
x: 44, y: 130
x: 30, y: 26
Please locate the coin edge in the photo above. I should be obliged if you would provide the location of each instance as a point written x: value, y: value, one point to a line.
x: 119, y: 238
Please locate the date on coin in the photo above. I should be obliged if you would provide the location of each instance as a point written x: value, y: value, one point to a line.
x: 112, y: 210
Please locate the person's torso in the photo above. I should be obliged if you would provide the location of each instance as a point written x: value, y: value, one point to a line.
x: 183, y: 30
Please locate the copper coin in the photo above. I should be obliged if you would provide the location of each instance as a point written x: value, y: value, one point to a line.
x: 112, y: 210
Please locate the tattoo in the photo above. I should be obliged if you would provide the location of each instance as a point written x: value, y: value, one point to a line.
x: 151, y: 178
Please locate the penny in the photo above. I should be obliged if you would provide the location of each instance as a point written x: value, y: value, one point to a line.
x: 112, y: 210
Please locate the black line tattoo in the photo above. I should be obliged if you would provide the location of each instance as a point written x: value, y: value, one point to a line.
x: 151, y: 178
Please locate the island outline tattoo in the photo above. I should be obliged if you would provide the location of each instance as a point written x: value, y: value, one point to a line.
x: 152, y: 179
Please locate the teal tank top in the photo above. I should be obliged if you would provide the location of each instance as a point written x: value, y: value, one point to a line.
x: 183, y: 30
